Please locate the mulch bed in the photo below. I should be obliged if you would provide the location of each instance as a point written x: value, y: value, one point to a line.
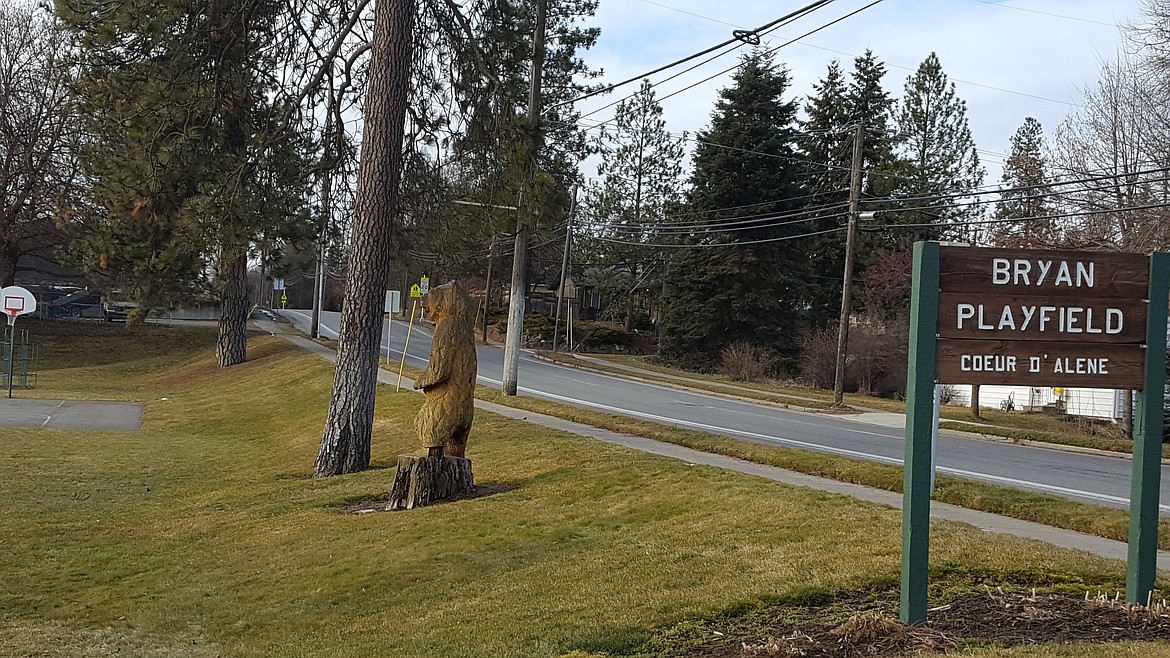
x: 989, y: 617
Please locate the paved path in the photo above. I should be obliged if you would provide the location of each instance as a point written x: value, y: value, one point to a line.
x: 71, y: 414
x: 982, y: 520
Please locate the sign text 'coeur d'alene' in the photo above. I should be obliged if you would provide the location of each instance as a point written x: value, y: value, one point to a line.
x: 1041, y: 318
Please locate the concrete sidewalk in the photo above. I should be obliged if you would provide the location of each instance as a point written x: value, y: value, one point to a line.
x: 982, y: 520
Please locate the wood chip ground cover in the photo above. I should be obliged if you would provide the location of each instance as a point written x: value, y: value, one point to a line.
x: 992, y: 617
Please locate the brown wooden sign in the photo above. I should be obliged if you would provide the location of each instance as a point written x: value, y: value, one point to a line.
x: 1035, y: 363
x: 1023, y: 317
x: 1041, y: 318
x: 1053, y: 274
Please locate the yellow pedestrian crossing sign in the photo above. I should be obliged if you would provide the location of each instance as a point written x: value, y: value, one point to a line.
x: 415, y: 291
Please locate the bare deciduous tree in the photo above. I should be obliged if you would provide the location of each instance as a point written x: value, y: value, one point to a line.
x: 37, y: 165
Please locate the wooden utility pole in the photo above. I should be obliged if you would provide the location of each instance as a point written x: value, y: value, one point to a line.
x: 524, y: 227
x: 319, y: 275
x: 564, y: 269
x: 326, y: 214
x: 847, y: 286
x: 487, y: 285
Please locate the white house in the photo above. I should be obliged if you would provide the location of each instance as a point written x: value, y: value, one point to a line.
x: 1092, y: 402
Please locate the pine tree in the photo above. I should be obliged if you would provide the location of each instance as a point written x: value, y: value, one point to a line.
x: 827, y: 141
x: 189, y: 157
x: 827, y: 145
x: 747, y: 282
x: 345, y: 443
x: 1025, y: 168
x: 940, y: 164
x: 641, y: 170
x: 870, y: 103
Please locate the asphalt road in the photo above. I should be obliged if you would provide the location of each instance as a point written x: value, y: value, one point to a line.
x: 1088, y: 477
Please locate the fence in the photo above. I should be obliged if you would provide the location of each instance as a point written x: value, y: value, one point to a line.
x: 24, y: 358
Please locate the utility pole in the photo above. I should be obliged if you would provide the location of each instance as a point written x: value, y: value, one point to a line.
x: 847, y: 286
x: 319, y: 275
x: 326, y: 209
x: 564, y: 269
x: 487, y: 285
x: 523, y: 228
x: 260, y: 291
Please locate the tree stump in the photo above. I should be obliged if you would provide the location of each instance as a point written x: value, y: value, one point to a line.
x: 422, y: 480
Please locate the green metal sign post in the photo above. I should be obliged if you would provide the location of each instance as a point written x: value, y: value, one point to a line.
x: 1035, y: 318
x: 919, y: 418
x: 1145, y: 484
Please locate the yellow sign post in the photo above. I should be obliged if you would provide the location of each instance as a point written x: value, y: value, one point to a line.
x: 406, y: 346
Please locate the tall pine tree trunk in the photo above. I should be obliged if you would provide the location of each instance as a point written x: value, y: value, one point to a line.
x: 345, y: 444
x: 232, y: 345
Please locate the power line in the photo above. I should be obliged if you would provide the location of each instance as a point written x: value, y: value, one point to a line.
x: 1022, y: 188
x: 740, y: 37
x: 886, y: 226
x: 773, y: 50
x: 729, y: 226
x: 722, y: 244
x: 908, y: 68
x: 1045, y: 13
x: 1054, y: 193
x: 1012, y: 220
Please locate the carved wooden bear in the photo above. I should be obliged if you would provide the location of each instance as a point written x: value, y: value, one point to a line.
x: 449, y: 380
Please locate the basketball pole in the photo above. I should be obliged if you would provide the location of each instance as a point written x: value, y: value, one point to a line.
x: 11, y: 338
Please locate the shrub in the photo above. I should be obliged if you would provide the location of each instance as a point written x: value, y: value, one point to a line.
x: 744, y: 362
x: 818, y: 358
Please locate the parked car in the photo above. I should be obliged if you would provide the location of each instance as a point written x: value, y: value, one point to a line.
x: 119, y: 311
x: 77, y: 304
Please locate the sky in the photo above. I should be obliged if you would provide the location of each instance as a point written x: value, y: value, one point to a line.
x: 1008, y: 60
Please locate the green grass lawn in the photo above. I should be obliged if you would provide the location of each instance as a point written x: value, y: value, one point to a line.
x: 205, y: 534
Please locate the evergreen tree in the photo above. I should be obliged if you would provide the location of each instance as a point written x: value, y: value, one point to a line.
x: 345, y: 442
x: 870, y: 103
x: 743, y: 281
x: 189, y: 157
x: 940, y: 164
x: 1025, y: 168
x: 827, y: 145
x: 832, y: 114
x: 641, y: 170
x: 492, y: 150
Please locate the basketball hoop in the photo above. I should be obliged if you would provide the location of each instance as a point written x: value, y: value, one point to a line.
x: 16, y: 302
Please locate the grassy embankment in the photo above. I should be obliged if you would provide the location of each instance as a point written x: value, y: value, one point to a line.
x: 205, y: 535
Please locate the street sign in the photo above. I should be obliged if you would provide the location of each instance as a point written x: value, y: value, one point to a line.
x: 16, y: 302
x: 424, y: 285
x: 278, y: 284
x: 1041, y: 318
x: 393, y: 301
x: 283, y: 299
x: 416, y: 291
